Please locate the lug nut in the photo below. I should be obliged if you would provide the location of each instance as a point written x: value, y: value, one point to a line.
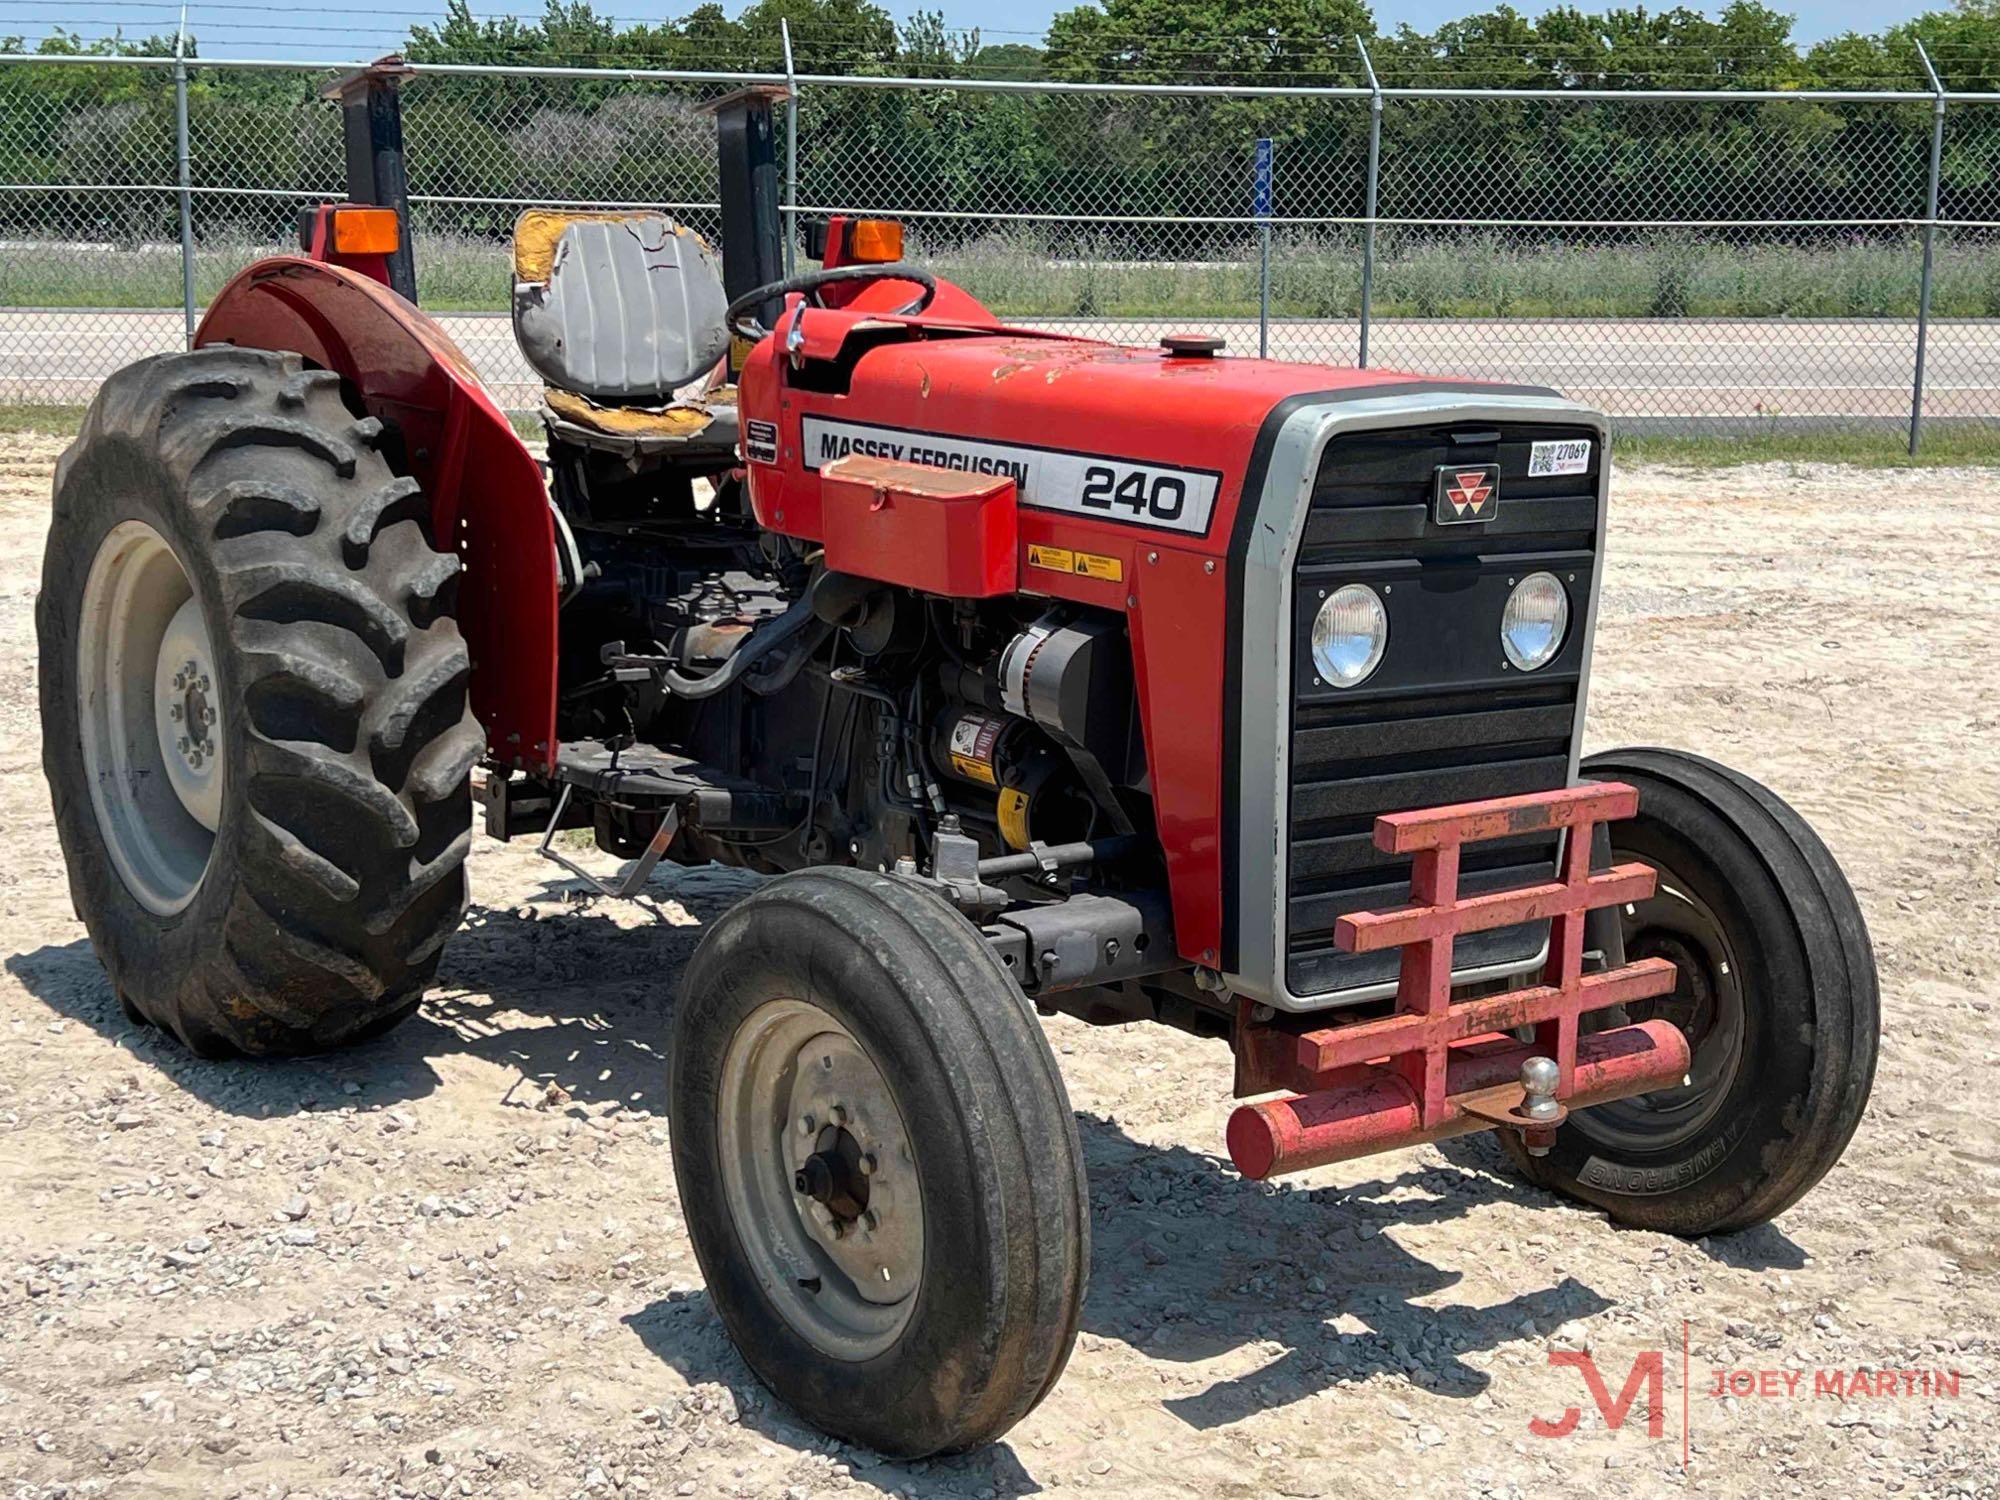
x: 174, y: 711
x: 838, y: 1114
x: 807, y: 1124
x: 868, y: 1164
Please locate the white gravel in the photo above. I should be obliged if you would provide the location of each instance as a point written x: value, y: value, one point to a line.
x: 452, y: 1263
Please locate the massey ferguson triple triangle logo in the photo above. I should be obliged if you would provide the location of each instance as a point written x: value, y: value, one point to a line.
x: 1465, y: 494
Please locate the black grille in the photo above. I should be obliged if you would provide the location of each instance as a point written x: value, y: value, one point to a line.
x: 1443, y: 719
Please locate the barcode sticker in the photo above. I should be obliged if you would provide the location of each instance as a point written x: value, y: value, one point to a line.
x: 1559, y: 456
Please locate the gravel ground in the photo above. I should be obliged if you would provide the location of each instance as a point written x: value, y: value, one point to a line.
x: 451, y: 1262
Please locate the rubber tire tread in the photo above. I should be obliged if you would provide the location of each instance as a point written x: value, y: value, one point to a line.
x: 1806, y: 1086
x: 337, y: 869
x: 1007, y: 1246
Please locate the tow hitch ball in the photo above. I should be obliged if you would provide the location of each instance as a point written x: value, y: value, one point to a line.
x: 1539, y: 1105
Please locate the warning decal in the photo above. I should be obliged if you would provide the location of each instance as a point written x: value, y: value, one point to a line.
x: 972, y: 741
x: 1082, y: 564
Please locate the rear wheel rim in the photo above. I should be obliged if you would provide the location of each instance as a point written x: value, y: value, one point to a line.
x: 149, y: 717
x: 820, y: 1179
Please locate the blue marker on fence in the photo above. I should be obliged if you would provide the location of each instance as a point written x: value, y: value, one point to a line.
x: 1261, y: 207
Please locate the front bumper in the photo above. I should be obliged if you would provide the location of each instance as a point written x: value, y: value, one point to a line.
x: 1434, y: 1068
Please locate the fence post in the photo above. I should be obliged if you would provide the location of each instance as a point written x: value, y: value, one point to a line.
x: 1260, y: 205
x: 1930, y: 249
x: 1374, y: 184
x: 184, y: 178
x: 791, y: 149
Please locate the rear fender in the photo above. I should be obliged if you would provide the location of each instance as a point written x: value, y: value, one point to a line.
x: 488, y: 502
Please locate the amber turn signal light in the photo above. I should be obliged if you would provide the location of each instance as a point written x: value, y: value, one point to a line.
x: 874, y: 241
x: 365, y: 231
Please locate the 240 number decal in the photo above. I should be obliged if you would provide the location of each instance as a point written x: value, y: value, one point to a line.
x: 1097, y: 485
x: 1149, y: 496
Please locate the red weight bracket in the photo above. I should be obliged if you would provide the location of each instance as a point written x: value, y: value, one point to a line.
x: 1432, y: 1068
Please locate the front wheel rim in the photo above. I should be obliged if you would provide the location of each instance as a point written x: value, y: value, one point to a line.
x: 148, y: 717
x: 820, y: 1179
x: 1708, y: 1003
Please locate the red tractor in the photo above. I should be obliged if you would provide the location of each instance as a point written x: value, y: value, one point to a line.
x: 1043, y: 674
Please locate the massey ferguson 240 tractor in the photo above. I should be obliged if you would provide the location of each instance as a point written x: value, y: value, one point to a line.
x: 1043, y: 674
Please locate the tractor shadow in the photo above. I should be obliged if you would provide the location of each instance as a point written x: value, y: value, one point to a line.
x: 1190, y: 1262
x: 567, y: 995
x: 568, y: 999
x: 682, y: 1329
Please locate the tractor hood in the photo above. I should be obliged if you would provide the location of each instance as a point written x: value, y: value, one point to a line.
x: 1157, y: 440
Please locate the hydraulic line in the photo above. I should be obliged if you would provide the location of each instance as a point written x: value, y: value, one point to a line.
x: 760, y: 643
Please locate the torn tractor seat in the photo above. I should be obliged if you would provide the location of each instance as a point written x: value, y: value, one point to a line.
x: 705, y: 424
x: 621, y: 316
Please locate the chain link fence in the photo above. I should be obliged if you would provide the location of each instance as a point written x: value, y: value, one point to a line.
x: 1707, y: 264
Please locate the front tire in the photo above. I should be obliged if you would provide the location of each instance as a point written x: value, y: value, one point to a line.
x: 877, y: 1162
x: 1776, y: 990
x: 255, y: 726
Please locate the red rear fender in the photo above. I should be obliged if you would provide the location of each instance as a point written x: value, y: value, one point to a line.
x: 488, y: 502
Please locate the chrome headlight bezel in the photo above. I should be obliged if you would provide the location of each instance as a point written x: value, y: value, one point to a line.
x: 1534, y: 623
x: 1352, y: 616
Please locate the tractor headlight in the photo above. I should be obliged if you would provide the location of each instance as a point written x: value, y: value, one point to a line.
x: 1349, y: 635
x: 1535, y: 621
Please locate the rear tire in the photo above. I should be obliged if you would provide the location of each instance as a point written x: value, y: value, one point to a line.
x: 1776, y: 990
x: 947, y: 1321
x: 285, y: 879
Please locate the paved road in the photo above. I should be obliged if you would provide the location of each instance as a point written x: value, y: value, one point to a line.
x: 1738, y: 370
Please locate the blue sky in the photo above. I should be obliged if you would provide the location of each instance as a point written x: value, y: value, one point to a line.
x: 373, y: 26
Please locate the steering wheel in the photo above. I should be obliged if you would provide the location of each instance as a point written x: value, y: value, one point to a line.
x: 808, y: 285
